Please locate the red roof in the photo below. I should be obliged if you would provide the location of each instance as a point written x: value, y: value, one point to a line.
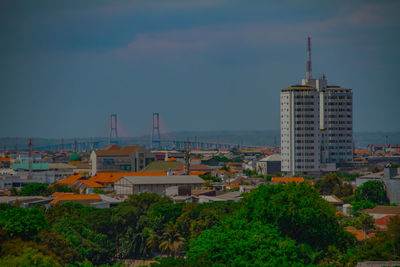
x: 384, y: 221
x: 91, y: 184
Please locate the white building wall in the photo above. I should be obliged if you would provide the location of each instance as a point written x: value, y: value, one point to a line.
x: 300, y: 137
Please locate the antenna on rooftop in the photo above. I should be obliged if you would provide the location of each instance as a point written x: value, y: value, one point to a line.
x: 309, y: 68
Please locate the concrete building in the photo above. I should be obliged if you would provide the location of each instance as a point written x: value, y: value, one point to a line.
x: 155, y: 184
x: 316, y: 125
x: 61, y: 170
x: 18, y: 181
x: 269, y: 165
x: 114, y: 158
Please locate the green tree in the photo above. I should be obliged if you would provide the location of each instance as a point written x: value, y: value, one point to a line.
x: 333, y: 184
x: 23, y: 223
x: 299, y: 213
x: 36, y: 189
x: 240, y: 243
x: 29, y: 257
x: 128, y: 221
x: 393, y: 235
x: 373, y: 191
x: 208, y: 177
x: 361, y: 205
x: 171, y: 240
x: 60, y: 188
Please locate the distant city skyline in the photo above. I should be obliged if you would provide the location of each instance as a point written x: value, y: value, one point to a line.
x: 203, y: 65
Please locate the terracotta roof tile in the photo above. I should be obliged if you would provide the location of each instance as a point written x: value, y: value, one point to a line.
x: 91, y: 184
x: 71, y: 179
x: 71, y: 197
x: 112, y: 177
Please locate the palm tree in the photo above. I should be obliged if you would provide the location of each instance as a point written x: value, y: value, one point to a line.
x: 172, y: 240
x: 152, y: 239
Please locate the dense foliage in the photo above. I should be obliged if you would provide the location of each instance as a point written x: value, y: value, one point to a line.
x: 373, y: 191
x: 36, y: 189
x: 208, y: 177
x: 41, y: 189
x: 334, y: 184
x: 275, y: 225
x: 225, y: 159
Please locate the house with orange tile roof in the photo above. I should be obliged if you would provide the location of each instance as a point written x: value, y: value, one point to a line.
x: 71, y: 179
x: 285, y: 180
x: 108, y: 179
x: 86, y: 186
x: 114, y: 158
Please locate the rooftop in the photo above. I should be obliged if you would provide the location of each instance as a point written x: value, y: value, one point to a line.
x: 72, y: 197
x: 180, y: 179
x: 112, y: 177
x: 162, y: 166
x: 115, y: 150
x: 71, y: 179
x: 384, y: 210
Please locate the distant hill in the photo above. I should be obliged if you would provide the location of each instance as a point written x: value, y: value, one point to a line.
x: 247, y: 137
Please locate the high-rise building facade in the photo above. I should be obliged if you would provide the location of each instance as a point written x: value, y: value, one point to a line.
x: 316, y: 124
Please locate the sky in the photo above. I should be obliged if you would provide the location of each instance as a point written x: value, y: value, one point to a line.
x: 66, y: 65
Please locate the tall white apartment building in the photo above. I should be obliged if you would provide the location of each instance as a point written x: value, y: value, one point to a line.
x: 316, y: 124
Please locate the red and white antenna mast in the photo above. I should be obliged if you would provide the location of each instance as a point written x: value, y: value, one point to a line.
x: 309, y: 69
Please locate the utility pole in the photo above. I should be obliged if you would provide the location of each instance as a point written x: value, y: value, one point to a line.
x: 30, y: 159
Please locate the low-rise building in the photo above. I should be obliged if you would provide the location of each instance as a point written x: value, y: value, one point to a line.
x: 61, y: 170
x: 26, y: 201
x: 382, y: 211
x: 114, y: 158
x: 269, y: 165
x: 335, y: 201
x: 129, y: 185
